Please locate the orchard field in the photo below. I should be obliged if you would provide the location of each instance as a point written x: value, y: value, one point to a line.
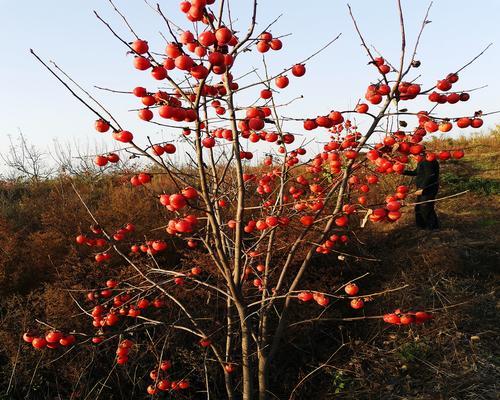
x: 228, y: 243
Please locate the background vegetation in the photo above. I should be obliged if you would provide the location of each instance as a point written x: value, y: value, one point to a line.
x: 452, y: 271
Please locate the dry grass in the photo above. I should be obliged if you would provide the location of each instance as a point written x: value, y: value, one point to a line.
x: 454, y: 272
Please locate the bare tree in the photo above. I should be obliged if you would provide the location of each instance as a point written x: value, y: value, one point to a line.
x: 25, y: 160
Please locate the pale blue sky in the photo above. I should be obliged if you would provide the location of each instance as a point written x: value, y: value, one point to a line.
x: 68, y: 32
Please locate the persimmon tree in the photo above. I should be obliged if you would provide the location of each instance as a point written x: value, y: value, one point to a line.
x: 253, y: 228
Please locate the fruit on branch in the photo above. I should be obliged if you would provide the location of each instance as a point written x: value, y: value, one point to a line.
x: 372, y: 179
x: 431, y: 126
x: 53, y: 336
x: 276, y: 44
x: 357, y: 303
x: 374, y: 93
x: 444, y: 155
x: 407, y: 319
x: 52, y: 340
x: 229, y: 368
x: 408, y: 91
x: 362, y: 200
x: 223, y: 36
x: 159, y: 73
x: 152, y: 390
x: 157, y: 150
x: 97, y: 340
x: 184, y: 62
x: 134, y: 181
x: 208, y: 142
x: 430, y: 156
x: 263, y: 46
x: 113, y: 158
x: 190, y: 193
x: 393, y: 205
x: 257, y: 283
x: 342, y: 221
x: 144, y: 178
x: 182, y: 384
x: 457, y: 154
x: 298, y: 70
x: 172, y: 50
x: 111, y: 283
x: 379, y: 62
x: 422, y: 316
x: 67, y: 340
x: 134, y: 312
x: 281, y: 81
x: 101, y: 257
x: 362, y: 108
x: 154, y: 375
x: 322, y: 300
x: 445, y: 126
x: 399, y: 318
x: 452, y: 78
x: 101, y: 161
x: 453, y: 98
x: 148, y: 101
x: 39, y: 343
x: 416, y: 149
x: 307, y: 220
x: 310, y: 124
x: 351, y: 154
x: 266, y: 94
x: 123, y: 136
x: 476, y: 122
x: 351, y: 289
x: 464, y: 96
x: 266, y: 36
x: 28, y: 337
x: 305, y: 296
x: 169, y: 148
x: 177, y: 201
x: 142, y: 63
x: 163, y: 385
x: 101, y: 126
x: 444, y: 85
x: 140, y: 46
x: 158, y: 245
x: 139, y: 91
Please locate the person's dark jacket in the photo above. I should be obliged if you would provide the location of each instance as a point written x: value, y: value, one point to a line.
x: 427, y: 176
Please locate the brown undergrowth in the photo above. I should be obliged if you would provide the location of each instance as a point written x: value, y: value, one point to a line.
x: 452, y: 272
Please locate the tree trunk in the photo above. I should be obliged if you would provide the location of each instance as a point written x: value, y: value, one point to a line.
x: 245, y: 354
x: 263, y: 374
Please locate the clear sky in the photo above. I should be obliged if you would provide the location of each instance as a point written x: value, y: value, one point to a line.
x: 68, y: 33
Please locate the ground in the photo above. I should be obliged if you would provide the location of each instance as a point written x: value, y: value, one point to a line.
x: 452, y: 271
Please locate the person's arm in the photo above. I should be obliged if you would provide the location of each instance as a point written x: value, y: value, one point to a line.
x: 410, y: 173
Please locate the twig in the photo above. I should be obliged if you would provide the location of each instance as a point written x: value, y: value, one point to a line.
x: 67, y: 87
x: 124, y: 19
x: 439, y: 199
x: 292, y: 394
x: 88, y: 94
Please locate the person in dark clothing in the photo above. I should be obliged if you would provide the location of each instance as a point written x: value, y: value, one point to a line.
x: 427, y: 182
